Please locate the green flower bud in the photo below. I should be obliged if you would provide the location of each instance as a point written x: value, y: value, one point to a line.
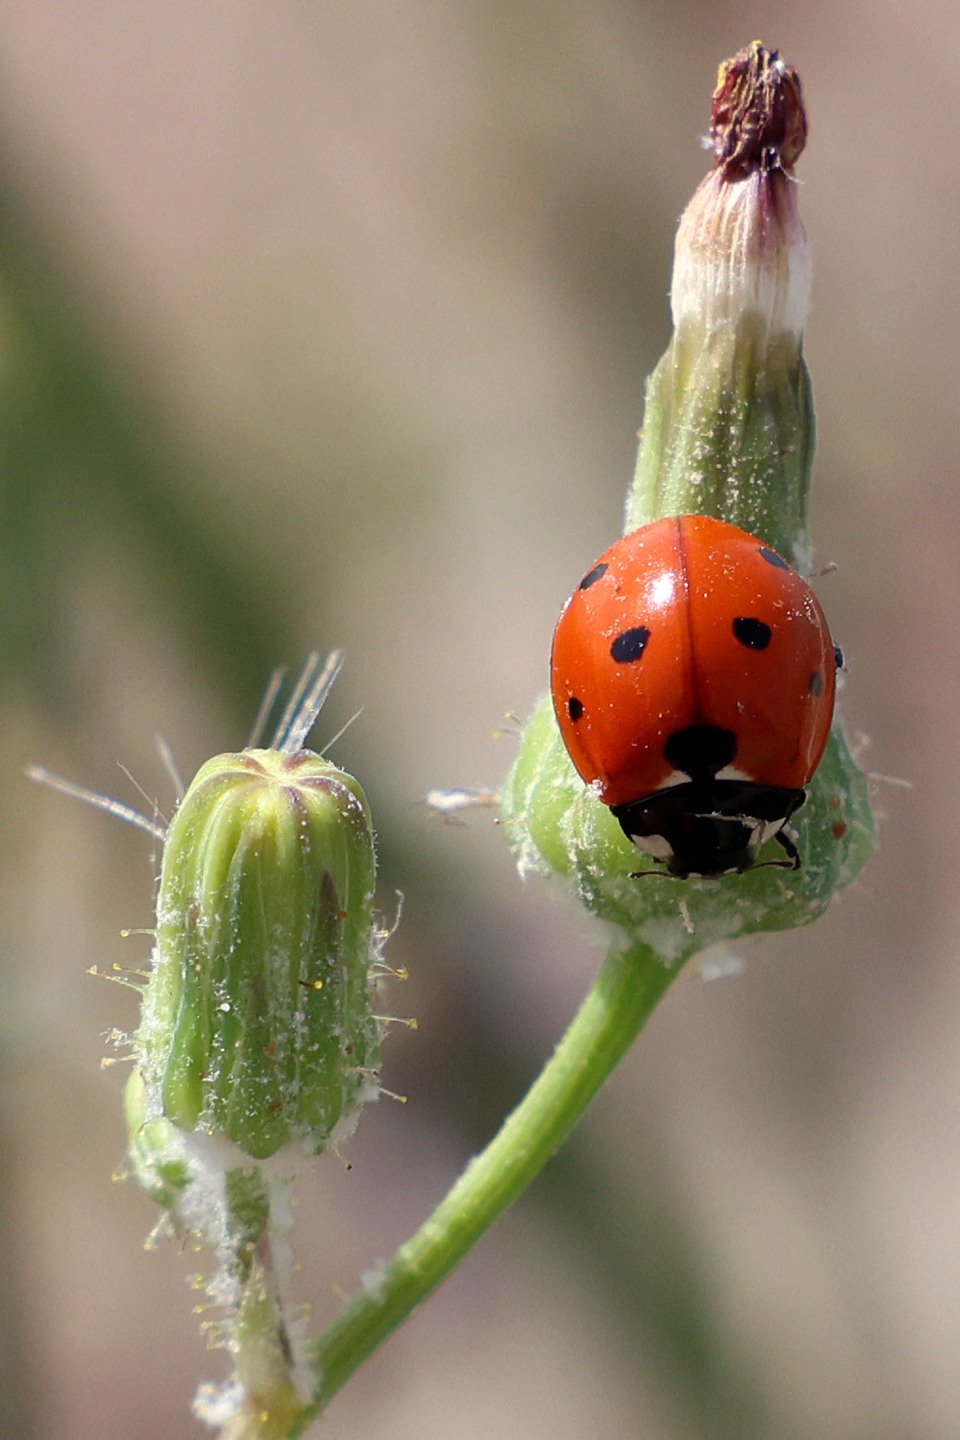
x: 257, y: 1023
x: 556, y: 824
x: 728, y: 432
x: 728, y: 420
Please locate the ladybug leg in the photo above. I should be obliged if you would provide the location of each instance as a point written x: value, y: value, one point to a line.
x: 787, y: 839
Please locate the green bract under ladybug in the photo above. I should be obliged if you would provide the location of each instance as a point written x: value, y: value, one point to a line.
x: 693, y: 680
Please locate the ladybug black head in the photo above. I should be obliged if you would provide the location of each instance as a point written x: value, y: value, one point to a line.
x: 711, y: 827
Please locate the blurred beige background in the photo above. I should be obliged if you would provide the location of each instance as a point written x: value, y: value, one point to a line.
x: 328, y: 324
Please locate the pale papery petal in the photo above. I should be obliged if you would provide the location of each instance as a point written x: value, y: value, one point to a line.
x: 741, y: 247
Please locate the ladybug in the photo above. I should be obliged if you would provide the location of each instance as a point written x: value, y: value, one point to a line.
x: 693, y: 681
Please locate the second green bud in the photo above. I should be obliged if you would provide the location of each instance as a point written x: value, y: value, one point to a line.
x: 257, y: 1021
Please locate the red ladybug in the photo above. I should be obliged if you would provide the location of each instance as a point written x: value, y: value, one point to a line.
x: 694, y: 679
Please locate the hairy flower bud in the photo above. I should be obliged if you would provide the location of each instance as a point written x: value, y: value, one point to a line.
x: 558, y: 826
x: 728, y: 432
x: 257, y: 1041
x: 728, y: 420
x: 741, y: 247
x: 257, y: 1022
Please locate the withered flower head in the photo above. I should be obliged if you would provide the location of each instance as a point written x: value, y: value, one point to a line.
x: 741, y: 247
x: 759, y: 122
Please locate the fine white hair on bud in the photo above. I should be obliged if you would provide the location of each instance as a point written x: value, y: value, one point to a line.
x: 741, y: 246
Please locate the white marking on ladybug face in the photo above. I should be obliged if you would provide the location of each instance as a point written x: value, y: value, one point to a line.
x: 654, y: 845
x: 676, y: 777
x: 729, y: 772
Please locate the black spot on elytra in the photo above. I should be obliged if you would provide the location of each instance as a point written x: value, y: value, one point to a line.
x: 772, y: 558
x: 816, y: 683
x: 755, y: 634
x: 700, y: 750
x: 574, y: 708
x: 592, y: 576
x: 630, y: 645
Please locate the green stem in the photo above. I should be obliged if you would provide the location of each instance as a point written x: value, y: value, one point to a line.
x: 612, y: 1014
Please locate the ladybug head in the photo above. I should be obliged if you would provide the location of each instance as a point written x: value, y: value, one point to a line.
x: 710, y: 827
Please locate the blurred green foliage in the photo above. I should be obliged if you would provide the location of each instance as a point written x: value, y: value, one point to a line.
x: 82, y: 454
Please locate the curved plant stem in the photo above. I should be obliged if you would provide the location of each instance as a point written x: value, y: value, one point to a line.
x: 612, y: 1014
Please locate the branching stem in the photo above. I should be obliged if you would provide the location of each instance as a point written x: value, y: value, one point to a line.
x: 612, y: 1014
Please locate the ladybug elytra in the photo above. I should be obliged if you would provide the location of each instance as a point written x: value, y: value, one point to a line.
x: 693, y: 680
